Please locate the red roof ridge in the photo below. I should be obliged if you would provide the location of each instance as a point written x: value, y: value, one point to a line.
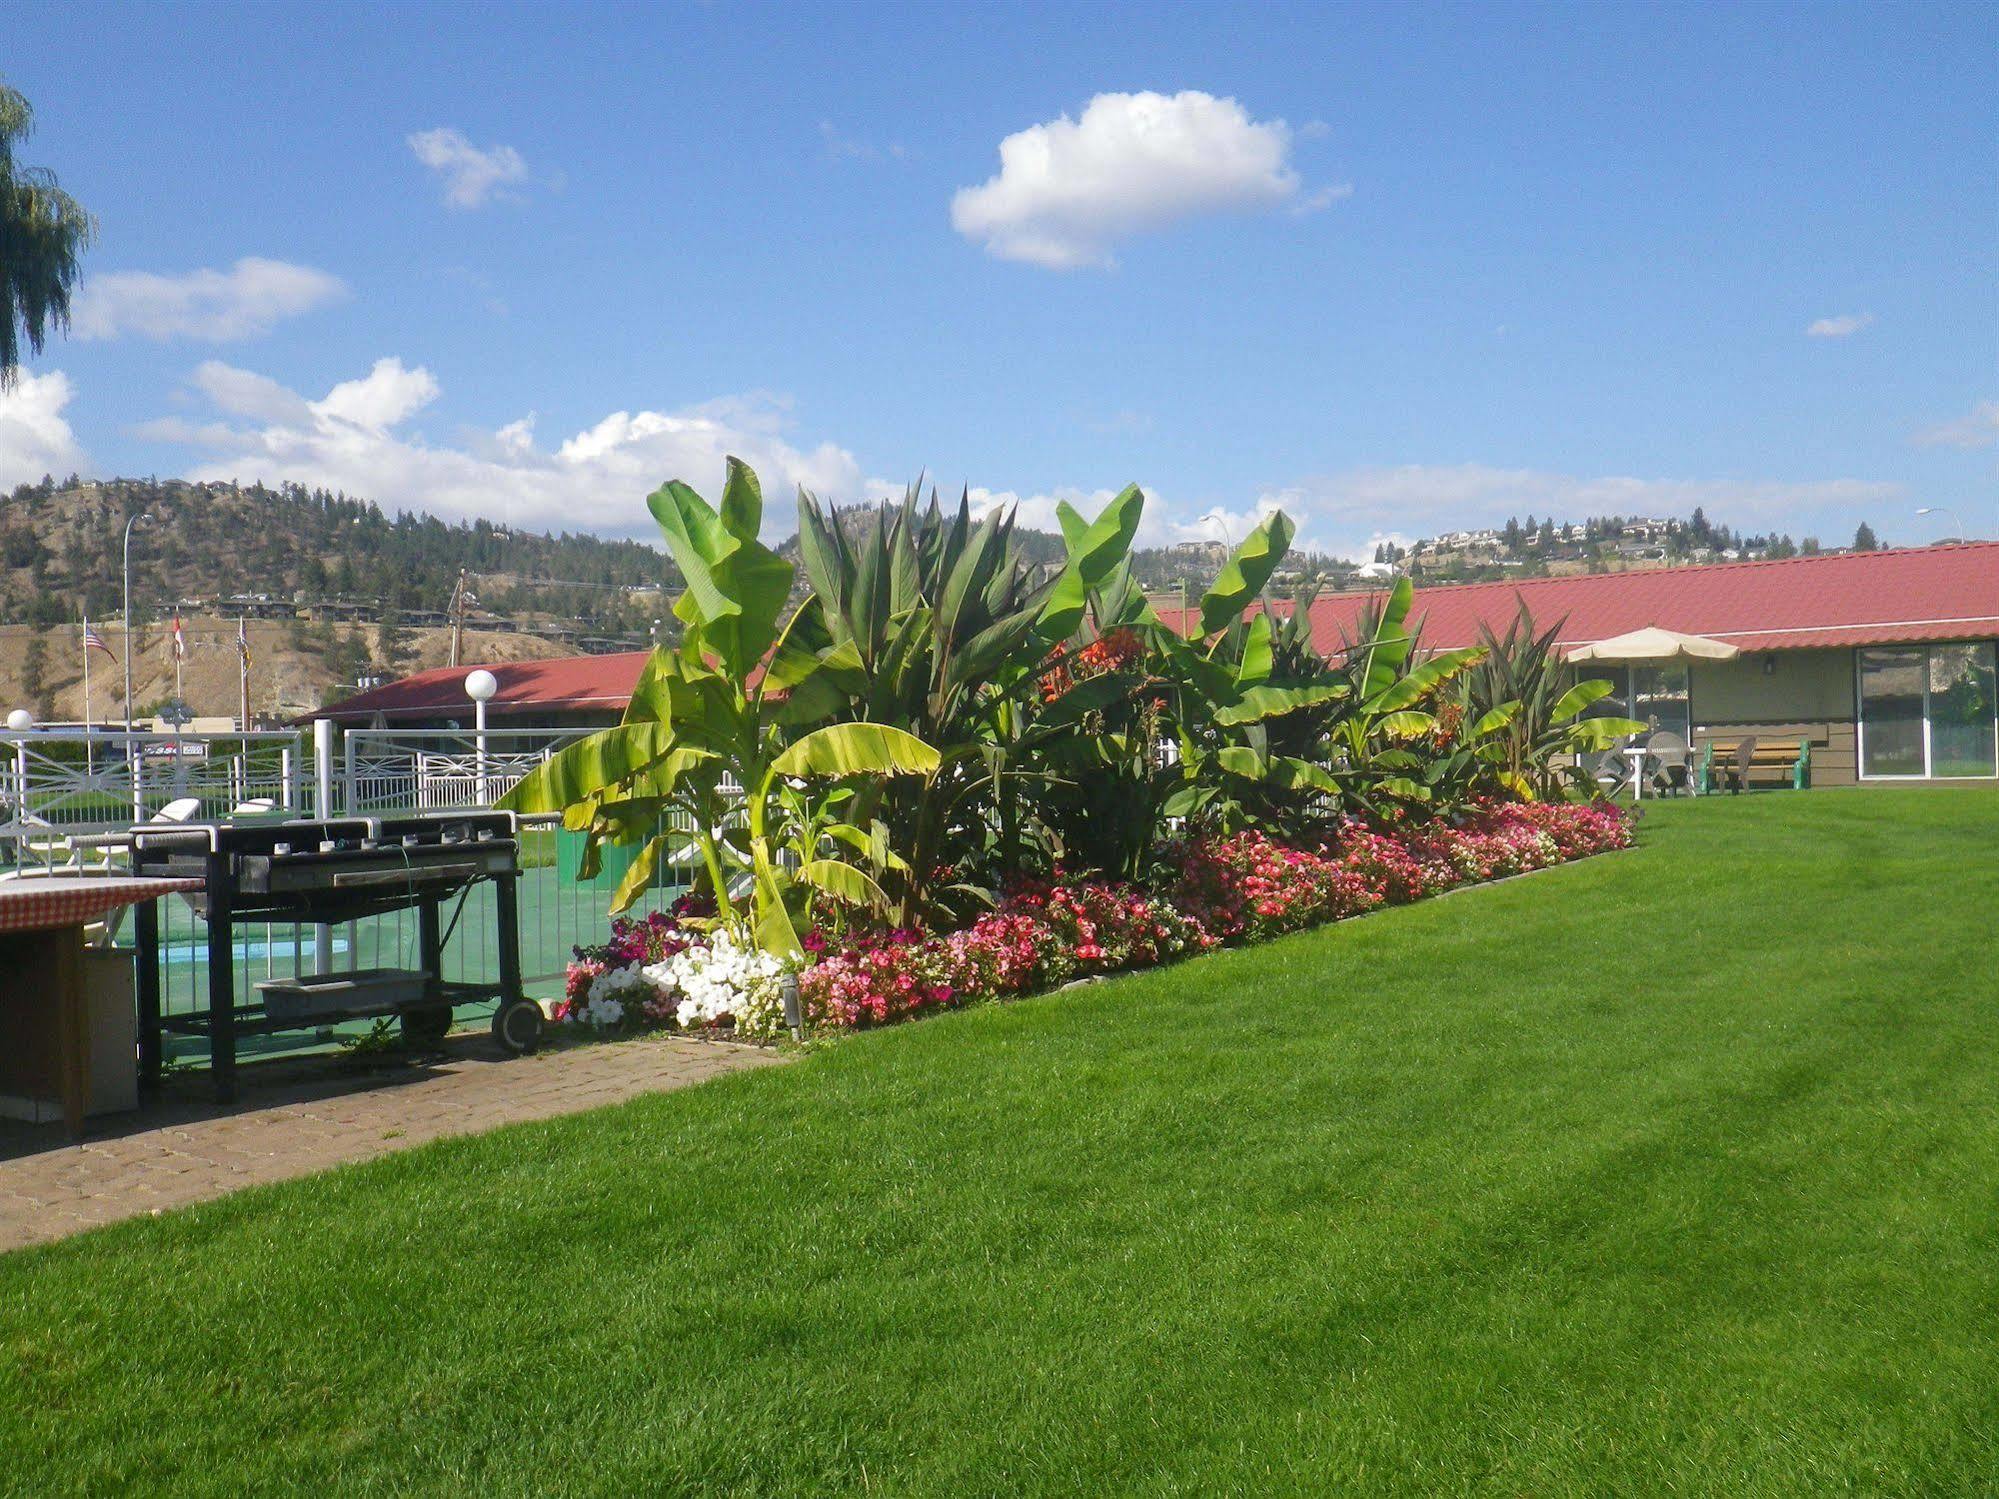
x: 1682, y: 568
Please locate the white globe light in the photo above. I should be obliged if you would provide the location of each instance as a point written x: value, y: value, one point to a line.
x: 20, y: 720
x: 481, y: 685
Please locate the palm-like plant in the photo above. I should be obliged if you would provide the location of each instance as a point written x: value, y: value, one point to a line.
x: 1524, y: 712
x: 745, y: 697
x: 939, y: 626
x: 43, y: 234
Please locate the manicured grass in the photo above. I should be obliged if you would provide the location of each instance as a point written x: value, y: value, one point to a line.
x: 1669, y: 1172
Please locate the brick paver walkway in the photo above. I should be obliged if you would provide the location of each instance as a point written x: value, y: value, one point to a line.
x: 296, y: 1117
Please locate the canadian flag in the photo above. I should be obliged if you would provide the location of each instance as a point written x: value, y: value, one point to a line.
x: 177, y: 641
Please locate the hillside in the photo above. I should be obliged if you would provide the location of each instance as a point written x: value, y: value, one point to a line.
x: 60, y: 546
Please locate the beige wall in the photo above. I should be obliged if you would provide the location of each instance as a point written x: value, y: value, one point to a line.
x: 1806, y: 695
x: 1809, y: 685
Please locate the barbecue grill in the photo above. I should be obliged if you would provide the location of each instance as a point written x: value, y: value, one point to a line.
x: 324, y: 872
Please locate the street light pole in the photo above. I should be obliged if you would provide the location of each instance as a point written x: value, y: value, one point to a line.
x: 132, y: 760
x: 480, y: 687
x: 1946, y: 510
x: 143, y: 515
x: 1222, y: 524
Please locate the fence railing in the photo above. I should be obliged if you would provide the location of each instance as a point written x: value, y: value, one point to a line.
x: 439, y: 770
x: 55, y: 784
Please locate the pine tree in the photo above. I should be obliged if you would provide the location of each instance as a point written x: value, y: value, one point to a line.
x: 1864, y: 539
x: 35, y: 677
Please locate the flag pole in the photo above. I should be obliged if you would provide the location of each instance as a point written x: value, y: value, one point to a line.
x: 83, y: 620
x: 243, y: 661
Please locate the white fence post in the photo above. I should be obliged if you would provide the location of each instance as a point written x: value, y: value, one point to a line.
x: 322, y: 765
x: 322, y: 774
x: 479, y: 717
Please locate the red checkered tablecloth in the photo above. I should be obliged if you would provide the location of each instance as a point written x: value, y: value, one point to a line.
x: 39, y: 903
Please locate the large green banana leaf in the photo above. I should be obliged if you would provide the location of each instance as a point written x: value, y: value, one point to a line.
x: 1239, y: 583
x: 847, y: 749
x: 1423, y: 680
x: 736, y: 586
x: 587, y: 767
x: 1271, y: 702
x: 1094, y: 549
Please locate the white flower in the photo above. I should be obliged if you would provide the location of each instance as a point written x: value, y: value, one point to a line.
x: 724, y: 980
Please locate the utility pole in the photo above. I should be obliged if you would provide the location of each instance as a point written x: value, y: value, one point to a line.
x: 462, y: 599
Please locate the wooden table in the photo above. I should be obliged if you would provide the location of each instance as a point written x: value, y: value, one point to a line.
x: 42, y: 918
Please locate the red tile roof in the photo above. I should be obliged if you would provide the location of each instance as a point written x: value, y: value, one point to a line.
x: 565, y: 684
x: 1857, y: 598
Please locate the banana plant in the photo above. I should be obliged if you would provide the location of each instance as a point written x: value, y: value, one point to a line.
x: 726, y: 734
x: 1211, y: 725
x: 1378, y: 745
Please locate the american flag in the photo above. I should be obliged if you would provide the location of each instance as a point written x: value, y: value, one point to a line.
x: 92, y: 641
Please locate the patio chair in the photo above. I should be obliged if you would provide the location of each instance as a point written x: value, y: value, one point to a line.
x: 1735, y: 772
x: 1667, y: 756
x: 1610, y: 769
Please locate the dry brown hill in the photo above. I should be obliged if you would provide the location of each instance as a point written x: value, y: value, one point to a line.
x: 287, y: 677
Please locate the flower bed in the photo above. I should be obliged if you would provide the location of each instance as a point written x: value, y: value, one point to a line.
x: 660, y: 971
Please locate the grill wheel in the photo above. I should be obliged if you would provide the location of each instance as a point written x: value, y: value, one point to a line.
x: 517, y: 1025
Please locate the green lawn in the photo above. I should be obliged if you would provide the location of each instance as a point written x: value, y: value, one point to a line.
x: 1676, y: 1171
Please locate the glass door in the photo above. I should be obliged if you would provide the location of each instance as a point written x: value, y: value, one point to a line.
x: 1928, y: 711
x: 1962, y: 742
x: 1891, y: 712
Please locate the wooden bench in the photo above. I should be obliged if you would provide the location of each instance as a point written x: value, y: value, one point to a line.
x: 1776, y: 762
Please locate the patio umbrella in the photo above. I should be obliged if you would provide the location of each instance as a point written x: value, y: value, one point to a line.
x: 1648, y: 647
x: 1655, y: 644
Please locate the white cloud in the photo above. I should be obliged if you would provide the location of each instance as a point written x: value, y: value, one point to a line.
x: 1321, y: 198
x: 1978, y: 430
x: 1845, y: 325
x: 357, y: 438
x: 844, y: 147
x: 388, y: 394
x: 245, y: 301
x: 472, y: 175
x: 242, y: 393
x: 34, y: 438
x: 1069, y: 189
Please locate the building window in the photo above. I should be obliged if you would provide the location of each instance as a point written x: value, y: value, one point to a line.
x: 1929, y: 711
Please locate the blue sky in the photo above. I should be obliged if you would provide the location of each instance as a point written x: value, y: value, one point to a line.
x: 1398, y: 269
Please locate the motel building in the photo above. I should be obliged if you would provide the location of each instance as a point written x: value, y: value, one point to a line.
x: 1881, y: 662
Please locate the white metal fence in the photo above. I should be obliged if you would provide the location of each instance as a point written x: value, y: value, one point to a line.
x: 57, y: 786
x: 59, y: 783
x: 438, y: 770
